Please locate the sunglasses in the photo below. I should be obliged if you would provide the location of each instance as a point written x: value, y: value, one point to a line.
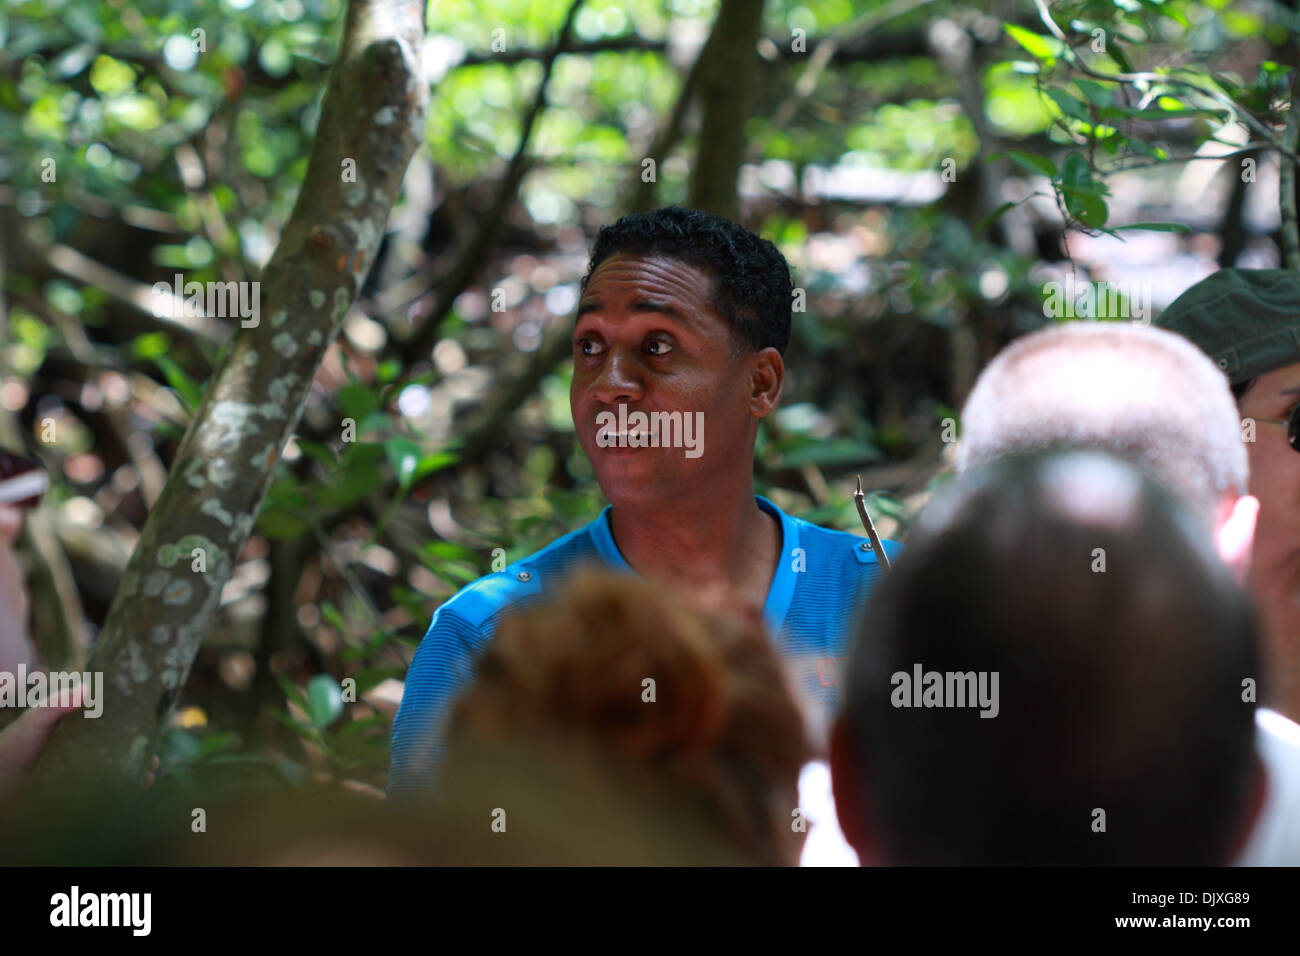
x: 1292, y: 423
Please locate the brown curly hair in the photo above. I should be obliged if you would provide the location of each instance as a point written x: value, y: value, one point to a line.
x: 644, y: 692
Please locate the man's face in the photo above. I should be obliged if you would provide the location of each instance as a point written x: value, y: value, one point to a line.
x: 1275, y: 481
x: 648, y: 337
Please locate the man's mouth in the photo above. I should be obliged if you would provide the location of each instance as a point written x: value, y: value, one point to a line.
x: 622, y: 441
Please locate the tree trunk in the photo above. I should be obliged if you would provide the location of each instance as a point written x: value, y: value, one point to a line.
x: 728, y: 89
x: 372, y: 118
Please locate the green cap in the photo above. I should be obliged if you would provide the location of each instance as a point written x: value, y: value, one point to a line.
x: 1247, y: 320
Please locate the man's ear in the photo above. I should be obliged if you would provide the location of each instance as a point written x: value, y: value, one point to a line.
x: 847, y: 778
x: 1236, y: 532
x: 766, y: 379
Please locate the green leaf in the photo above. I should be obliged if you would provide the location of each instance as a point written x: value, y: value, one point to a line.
x: 1077, y: 173
x: 412, y: 601
x: 1155, y: 115
x: 455, y: 573
x: 185, y: 386
x: 372, y: 677
x: 373, y: 422
x: 179, y: 747
x: 404, y: 458
x: 215, y: 743
x: 435, y: 461
x: 110, y: 77
x: 1096, y: 93
x: 1087, y: 207
x: 1038, y: 46
x: 363, y: 453
x: 357, y: 726
x: 374, y: 645
x: 317, y: 452
x: 151, y: 345
x: 450, y: 551
x: 1070, y: 105
x: 281, y: 526
x: 1116, y: 54
x: 1173, y: 13
x: 1155, y: 227
x: 357, y: 400
x: 324, y: 701
x: 1153, y: 152
x: 292, y: 692
x: 331, y: 614
x: 358, y: 476
x: 1033, y: 163
x: 307, y: 733
x: 993, y: 216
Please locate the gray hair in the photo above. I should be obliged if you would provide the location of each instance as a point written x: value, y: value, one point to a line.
x: 1144, y: 394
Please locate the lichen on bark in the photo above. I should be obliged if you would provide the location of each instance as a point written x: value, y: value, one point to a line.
x: 372, y: 113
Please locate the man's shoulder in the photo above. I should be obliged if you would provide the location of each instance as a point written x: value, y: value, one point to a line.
x: 479, y: 601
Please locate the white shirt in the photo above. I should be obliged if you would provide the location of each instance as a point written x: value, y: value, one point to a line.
x: 1275, y: 838
x: 825, y: 844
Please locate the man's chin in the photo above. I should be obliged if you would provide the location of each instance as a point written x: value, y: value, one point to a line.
x: 632, y: 478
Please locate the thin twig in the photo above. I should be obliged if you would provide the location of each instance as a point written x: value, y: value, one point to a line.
x: 639, y: 195
x: 859, y: 499
x: 1286, y: 183
x: 826, y: 49
x: 1121, y: 166
x: 354, y: 584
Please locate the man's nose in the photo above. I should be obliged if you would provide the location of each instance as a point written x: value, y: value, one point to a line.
x: 619, y: 380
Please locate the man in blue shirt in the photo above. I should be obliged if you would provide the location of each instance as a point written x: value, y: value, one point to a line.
x: 677, y: 354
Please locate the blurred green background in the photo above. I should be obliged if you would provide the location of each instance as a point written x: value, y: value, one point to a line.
x: 926, y: 167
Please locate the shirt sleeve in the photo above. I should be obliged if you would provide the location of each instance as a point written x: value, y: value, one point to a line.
x: 443, y: 665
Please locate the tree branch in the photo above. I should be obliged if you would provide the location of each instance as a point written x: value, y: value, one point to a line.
x: 1227, y: 102
x: 470, y: 259
x: 640, y: 195
x: 826, y: 49
x: 909, y: 42
x: 1286, y: 183
x: 728, y: 92
x: 372, y: 118
x: 140, y: 297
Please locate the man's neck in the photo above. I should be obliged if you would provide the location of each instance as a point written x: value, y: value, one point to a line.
x: 703, y: 542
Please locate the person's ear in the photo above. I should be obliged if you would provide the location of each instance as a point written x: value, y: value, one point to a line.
x: 766, y: 377
x: 847, y: 777
x: 1236, y: 532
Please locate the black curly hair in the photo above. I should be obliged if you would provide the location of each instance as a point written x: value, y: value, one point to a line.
x: 751, y: 279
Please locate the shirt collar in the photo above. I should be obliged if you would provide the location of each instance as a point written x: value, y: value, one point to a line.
x: 780, y: 591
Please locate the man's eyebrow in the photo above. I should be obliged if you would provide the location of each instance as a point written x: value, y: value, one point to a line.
x: 657, y: 306
x: 1293, y: 390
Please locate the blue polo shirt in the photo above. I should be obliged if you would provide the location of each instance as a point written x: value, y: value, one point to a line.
x: 820, y: 586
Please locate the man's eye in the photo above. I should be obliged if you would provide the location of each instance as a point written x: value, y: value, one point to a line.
x: 659, y: 347
x: 586, y: 347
